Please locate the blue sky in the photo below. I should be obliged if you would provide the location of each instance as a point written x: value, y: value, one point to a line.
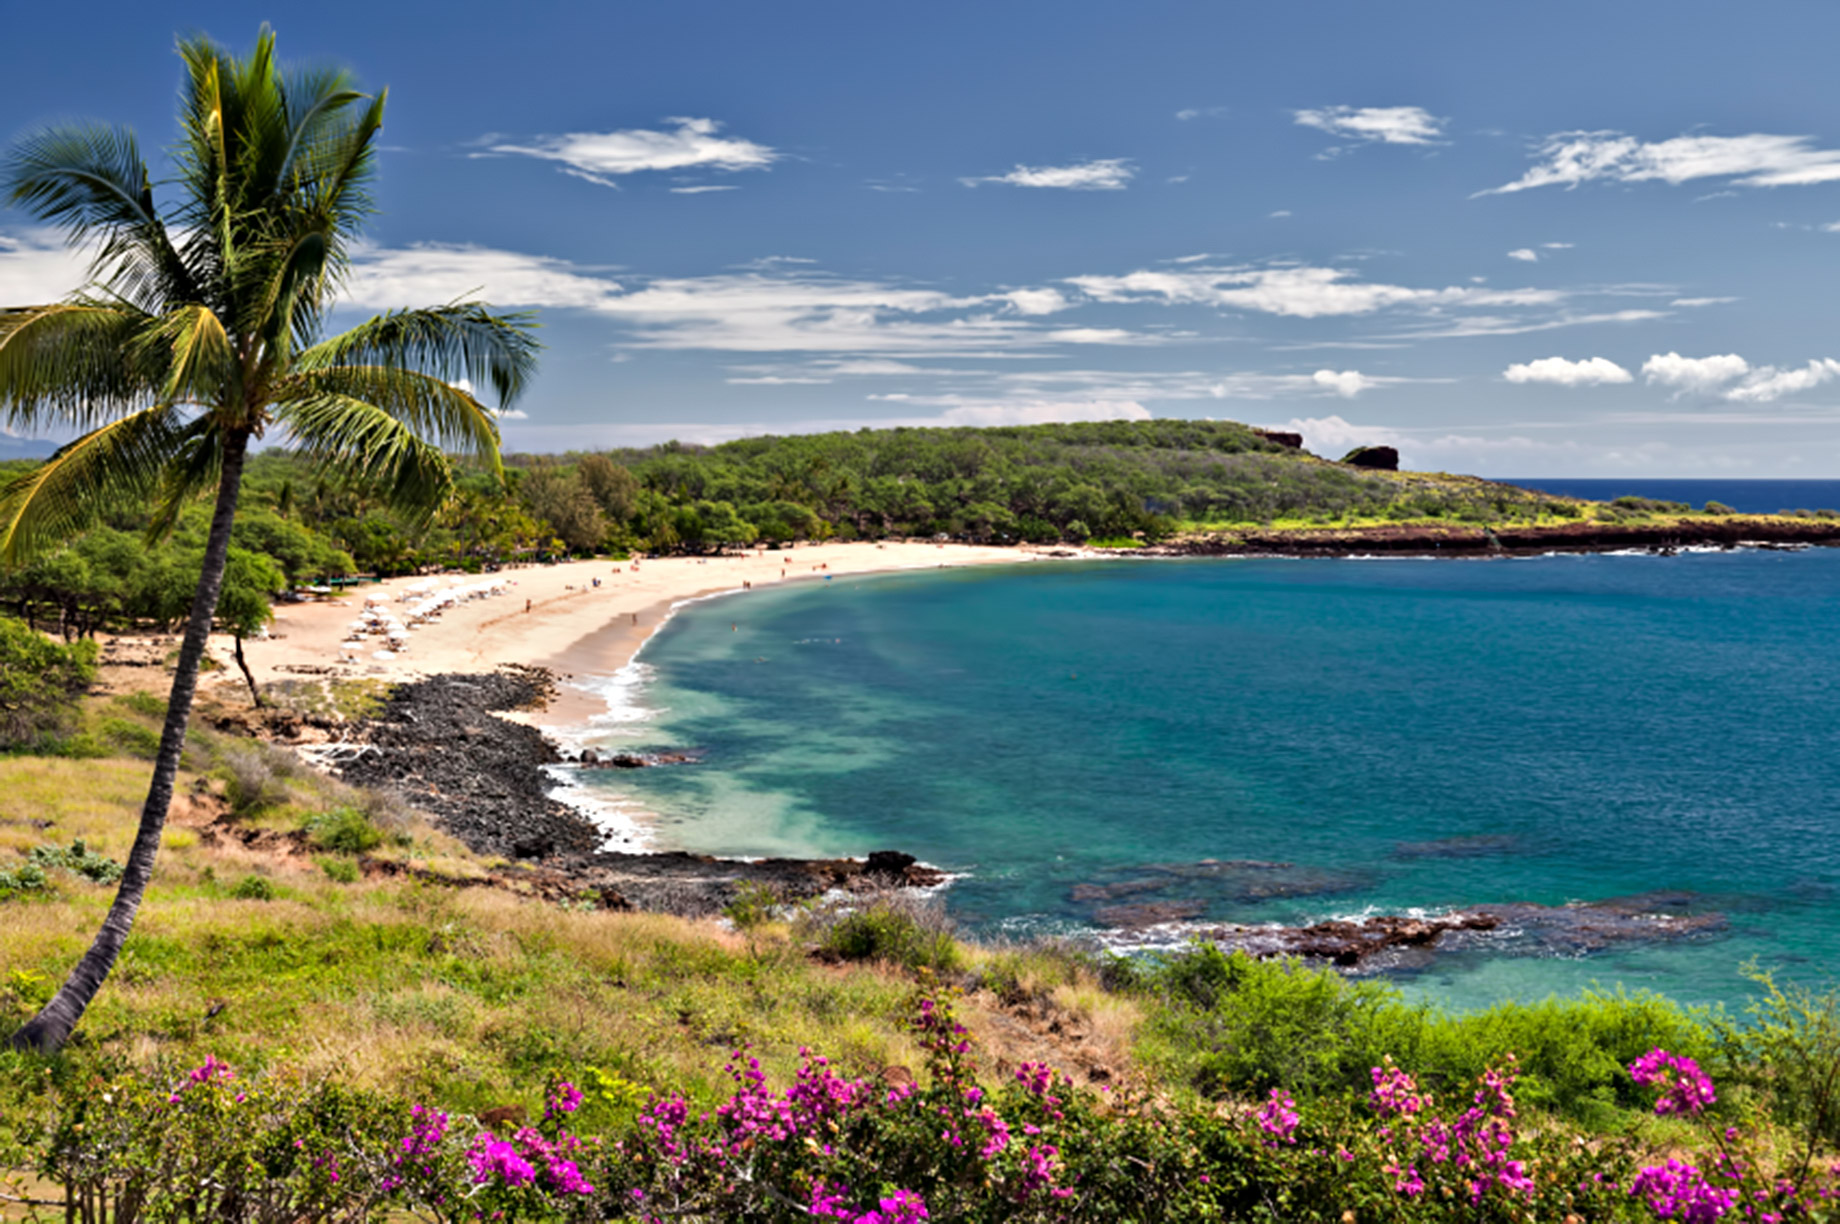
x: 1552, y: 239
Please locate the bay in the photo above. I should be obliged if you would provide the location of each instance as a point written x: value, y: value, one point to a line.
x: 1407, y: 735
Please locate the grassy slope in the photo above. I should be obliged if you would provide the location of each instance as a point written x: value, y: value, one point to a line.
x: 465, y: 995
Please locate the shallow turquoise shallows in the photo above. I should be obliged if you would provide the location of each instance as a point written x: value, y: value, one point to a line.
x: 1407, y: 734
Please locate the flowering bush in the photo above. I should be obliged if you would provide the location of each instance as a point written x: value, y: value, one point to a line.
x: 1027, y: 1146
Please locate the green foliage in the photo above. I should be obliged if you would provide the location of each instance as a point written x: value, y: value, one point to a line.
x: 345, y: 830
x: 78, y: 859
x: 339, y: 870
x: 1228, y: 1023
x: 40, y: 682
x: 253, y: 888
x: 1718, y: 507
x: 130, y: 737
x: 1791, y: 1051
x: 888, y: 928
x: 254, y: 775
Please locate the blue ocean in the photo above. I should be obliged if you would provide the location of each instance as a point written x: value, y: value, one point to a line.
x: 1272, y: 741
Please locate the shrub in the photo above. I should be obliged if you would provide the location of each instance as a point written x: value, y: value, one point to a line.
x: 1718, y: 507
x: 338, y: 870
x: 145, y: 704
x: 893, y: 927
x: 255, y: 776
x: 130, y: 737
x: 80, y: 860
x: 1792, y: 1050
x: 40, y: 682
x: 253, y: 888
x: 344, y: 830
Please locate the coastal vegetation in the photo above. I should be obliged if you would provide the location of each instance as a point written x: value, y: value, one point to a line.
x: 317, y: 963
x: 1115, y: 485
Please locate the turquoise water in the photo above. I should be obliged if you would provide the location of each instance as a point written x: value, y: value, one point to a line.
x: 1407, y: 734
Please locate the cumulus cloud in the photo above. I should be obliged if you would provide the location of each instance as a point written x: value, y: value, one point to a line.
x: 1037, y: 301
x: 1345, y: 383
x: 1525, y: 255
x: 602, y: 157
x: 1769, y: 383
x: 1591, y: 372
x: 1104, y: 174
x: 1694, y: 374
x: 1757, y: 160
x: 385, y: 279
x: 1409, y: 125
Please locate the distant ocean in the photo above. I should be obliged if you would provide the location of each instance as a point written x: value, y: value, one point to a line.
x: 1749, y: 496
x: 1400, y: 735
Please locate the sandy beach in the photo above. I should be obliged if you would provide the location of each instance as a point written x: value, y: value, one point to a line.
x: 555, y: 616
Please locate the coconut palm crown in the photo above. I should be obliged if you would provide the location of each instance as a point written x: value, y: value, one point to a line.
x: 200, y: 331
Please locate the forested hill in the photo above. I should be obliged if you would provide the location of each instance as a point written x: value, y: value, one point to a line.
x: 1104, y: 481
x: 1042, y: 483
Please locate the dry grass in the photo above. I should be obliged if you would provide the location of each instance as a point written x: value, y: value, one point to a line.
x: 469, y: 996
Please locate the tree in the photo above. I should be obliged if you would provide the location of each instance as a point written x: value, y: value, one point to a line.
x: 201, y: 328
x: 243, y: 607
x: 39, y: 683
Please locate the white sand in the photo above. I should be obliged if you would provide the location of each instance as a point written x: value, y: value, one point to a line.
x: 571, y: 625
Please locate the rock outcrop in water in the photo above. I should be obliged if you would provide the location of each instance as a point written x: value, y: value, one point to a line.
x: 482, y: 778
x: 1401, y: 942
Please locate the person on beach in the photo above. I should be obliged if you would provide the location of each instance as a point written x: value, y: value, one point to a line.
x: 526, y: 605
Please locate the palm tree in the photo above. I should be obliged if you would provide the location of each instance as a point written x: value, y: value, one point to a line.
x: 200, y: 331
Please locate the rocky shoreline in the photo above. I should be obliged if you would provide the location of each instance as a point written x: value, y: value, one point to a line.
x: 1455, y: 540
x: 438, y: 743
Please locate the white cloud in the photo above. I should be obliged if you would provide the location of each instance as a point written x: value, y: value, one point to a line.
x: 1525, y: 255
x: 1592, y: 371
x: 1044, y: 412
x: 385, y: 279
x: 1037, y: 301
x: 1498, y: 325
x: 1768, y: 383
x: 1558, y: 246
x: 1831, y: 228
x: 1345, y: 383
x: 703, y: 188
x: 1702, y: 301
x: 510, y: 414
x: 1279, y: 215
x: 1695, y: 374
x: 1200, y: 112
x: 602, y: 157
x: 1295, y: 291
x: 1410, y: 125
x: 1104, y: 174
x: 1757, y: 160
x: 37, y: 266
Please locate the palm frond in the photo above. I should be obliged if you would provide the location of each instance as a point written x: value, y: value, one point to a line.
x: 462, y: 340
x: 352, y: 440
x: 201, y: 365
x: 197, y: 462
x: 435, y: 410
x: 119, y: 461
x: 74, y: 363
x: 91, y: 181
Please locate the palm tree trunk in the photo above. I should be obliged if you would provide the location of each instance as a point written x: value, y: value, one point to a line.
x: 47, y: 1032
